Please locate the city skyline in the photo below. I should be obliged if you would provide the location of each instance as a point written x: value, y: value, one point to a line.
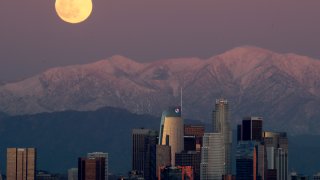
x: 94, y: 89
x: 276, y: 142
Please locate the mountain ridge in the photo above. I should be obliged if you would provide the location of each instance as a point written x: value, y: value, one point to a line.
x: 283, y: 88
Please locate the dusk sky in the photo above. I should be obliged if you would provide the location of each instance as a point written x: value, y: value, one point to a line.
x: 33, y: 38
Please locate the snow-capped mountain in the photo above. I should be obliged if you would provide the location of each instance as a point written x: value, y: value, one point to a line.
x: 283, y: 88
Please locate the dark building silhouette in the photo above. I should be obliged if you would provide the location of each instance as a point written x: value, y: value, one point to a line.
x: 138, y: 149
x: 190, y: 158
x: 239, y: 132
x: 190, y: 143
x: 246, y: 160
x: 21, y: 163
x: 196, y: 131
x: 271, y: 174
x: 147, y: 155
x: 151, y: 141
x: 91, y: 168
x: 251, y: 129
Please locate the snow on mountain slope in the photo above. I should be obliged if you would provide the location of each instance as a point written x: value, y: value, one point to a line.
x: 283, y: 88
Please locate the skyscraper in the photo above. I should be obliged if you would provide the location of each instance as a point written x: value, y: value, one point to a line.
x: 212, y: 157
x: 171, y: 131
x: 277, y: 153
x: 92, y: 168
x: 221, y: 124
x: 101, y: 155
x: 138, y: 149
x: 251, y: 129
x: 150, y: 146
x: 21, y: 163
x: 246, y: 160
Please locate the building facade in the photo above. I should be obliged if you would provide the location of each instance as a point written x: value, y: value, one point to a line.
x: 138, y: 149
x: 212, y: 157
x: 246, y: 160
x: 251, y: 129
x: 195, y: 131
x: 101, y: 155
x: 192, y: 159
x: 221, y: 124
x: 92, y: 168
x: 151, y: 142
x: 277, y: 153
x: 162, y: 159
x: 172, y: 131
x: 21, y: 163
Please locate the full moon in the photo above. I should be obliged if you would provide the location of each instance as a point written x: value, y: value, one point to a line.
x: 73, y: 11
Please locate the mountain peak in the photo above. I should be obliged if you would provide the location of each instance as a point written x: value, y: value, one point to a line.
x: 245, y: 51
x: 120, y: 59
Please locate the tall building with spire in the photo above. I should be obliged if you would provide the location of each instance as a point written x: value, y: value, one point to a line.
x: 221, y: 124
x: 172, y: 131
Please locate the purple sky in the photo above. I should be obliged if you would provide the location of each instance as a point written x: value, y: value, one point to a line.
x: 33, y: 38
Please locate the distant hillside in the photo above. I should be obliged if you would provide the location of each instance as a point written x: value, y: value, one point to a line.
x: 283, y: 88
x: 3, y: 115
x: 62, y: 137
